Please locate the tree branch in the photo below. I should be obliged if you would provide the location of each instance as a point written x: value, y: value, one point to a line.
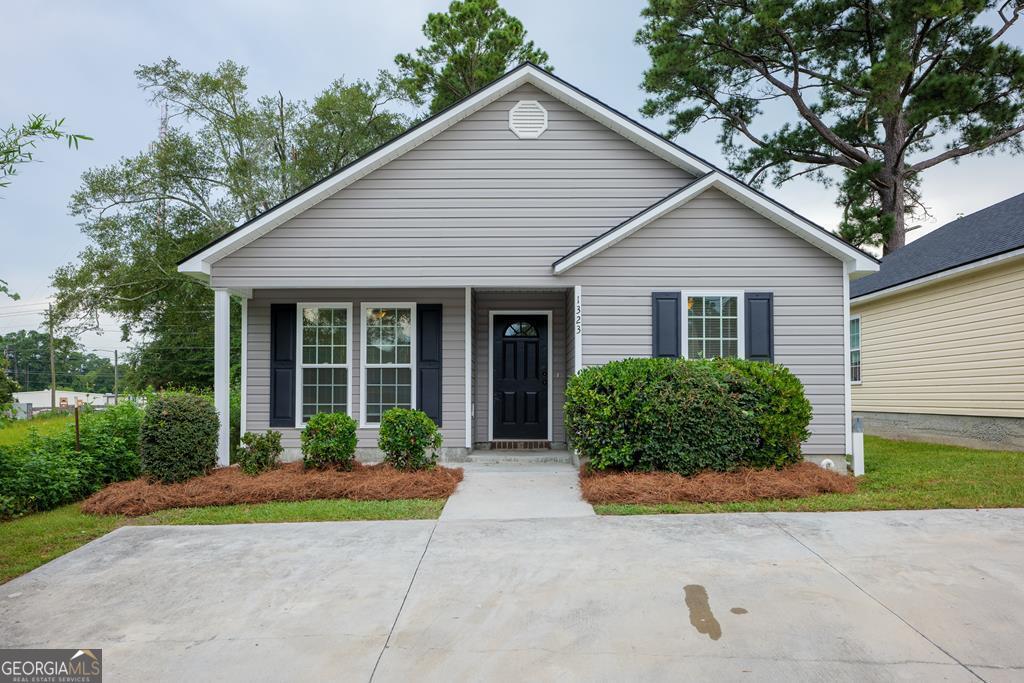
x: 958, y: 152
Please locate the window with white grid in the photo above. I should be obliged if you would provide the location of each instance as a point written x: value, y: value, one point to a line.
x: 712, y: 326
x: 324, y: 343
x: 855, y: 349
x: 388, y: 359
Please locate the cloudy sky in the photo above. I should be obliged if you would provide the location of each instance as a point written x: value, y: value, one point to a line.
x: 75, y: 58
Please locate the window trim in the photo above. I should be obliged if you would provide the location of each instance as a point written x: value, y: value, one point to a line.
x: 849, y: 340
x: 365, y: 306
x: 739, y: 294
x: 300, y: 365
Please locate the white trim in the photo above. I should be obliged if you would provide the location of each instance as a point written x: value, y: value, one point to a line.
x: 364, y: 306
x: 741, y: 332
x: 199, y: 264
x: 860, y: 335
x: 490, y: 364
x: 244, y: 388
x: 468, y: 319
x: 847, y: 391
x: 222, y: 372
x: 860, y: 262
x: 300, y: 366
x: 928, y: 279
x: 577, y: 315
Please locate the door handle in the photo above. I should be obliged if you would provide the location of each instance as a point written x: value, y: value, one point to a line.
x: 544, y: 377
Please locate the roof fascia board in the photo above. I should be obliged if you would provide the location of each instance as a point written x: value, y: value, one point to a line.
x: 941, y: 275
x: 857, y: 261
x: 618, y: 122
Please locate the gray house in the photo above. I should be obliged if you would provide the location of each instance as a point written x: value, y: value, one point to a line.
x: 472, y: 264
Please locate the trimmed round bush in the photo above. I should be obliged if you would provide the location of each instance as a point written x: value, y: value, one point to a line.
x: 178, y: 438
x: 406, y: 436
x: 686, y: 416
x: 259, y: 453
x: 329, y: 440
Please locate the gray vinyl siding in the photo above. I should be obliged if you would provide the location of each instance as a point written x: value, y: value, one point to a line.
x: 453, y: 393
x: 715, y: 243
x: 474, y: 205
x: 485, y: 302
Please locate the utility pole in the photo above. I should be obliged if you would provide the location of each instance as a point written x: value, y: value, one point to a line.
x: 53, y: 362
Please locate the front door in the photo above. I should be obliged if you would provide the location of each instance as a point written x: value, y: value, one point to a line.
x: 520, y: 377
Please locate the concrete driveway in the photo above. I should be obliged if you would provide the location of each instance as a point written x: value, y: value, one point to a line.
x: 842, y: 596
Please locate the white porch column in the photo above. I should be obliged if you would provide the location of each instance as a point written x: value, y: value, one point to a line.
x: 577, y: 319
x: 222, y: 371
x: 847, y: 394
x: 469, y: 366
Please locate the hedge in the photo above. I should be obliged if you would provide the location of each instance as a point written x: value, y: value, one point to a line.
x: 44, y: 472
x: 686, y: 416
x: 178, y: 437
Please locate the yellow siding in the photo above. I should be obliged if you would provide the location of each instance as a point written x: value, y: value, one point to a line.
x: 953, y: 347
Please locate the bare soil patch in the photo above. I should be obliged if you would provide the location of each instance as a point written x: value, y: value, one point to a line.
x: 290, y: 482
x: 744, y: 485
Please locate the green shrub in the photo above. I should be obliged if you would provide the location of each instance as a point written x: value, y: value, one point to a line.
x: 406, y: 436
x: 781, y: 412
x: 259, y: 452
x: 123, y: 420
x: 42, y: 472
x: 178, y: 439
x: 686, y: 416
x: 329, y: 439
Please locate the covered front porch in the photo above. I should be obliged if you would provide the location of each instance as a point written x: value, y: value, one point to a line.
x: 488, y: 365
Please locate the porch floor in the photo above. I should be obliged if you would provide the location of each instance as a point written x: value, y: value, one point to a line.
x: 517, y: 491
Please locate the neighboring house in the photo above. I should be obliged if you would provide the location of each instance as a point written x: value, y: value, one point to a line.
x: 471, y: 265
x: 937, y: 335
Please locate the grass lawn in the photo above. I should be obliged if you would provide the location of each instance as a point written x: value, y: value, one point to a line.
x: 18, y: 430
x: 900, y: 475
x: 27, y: 542
x: 33, y: 540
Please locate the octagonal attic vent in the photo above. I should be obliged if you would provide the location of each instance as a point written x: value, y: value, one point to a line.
x: 527, y: 119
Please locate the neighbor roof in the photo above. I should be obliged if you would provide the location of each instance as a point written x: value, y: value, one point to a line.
x: 983, y: 234
x: 198, y: 263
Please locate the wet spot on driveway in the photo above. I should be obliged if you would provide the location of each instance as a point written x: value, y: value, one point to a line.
x: 701, y: 616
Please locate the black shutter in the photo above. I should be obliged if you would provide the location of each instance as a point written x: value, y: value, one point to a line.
x: 760, y: 324
x: 428, y: 360
x: 665, y: 313
x: 282, y: 365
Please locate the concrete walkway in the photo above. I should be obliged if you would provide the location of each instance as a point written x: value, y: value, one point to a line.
x: 517, y: 491
x: 880, y: 596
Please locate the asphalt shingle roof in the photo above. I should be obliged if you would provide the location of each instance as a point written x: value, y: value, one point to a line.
x: 993, y: 230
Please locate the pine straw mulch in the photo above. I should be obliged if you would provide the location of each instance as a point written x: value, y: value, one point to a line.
x: 289, y: 482
x: 744, y: 485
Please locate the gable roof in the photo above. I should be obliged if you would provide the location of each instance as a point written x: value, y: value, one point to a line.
x: 198, y: 263
x: 993, y: 231
x: 857, y: 260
